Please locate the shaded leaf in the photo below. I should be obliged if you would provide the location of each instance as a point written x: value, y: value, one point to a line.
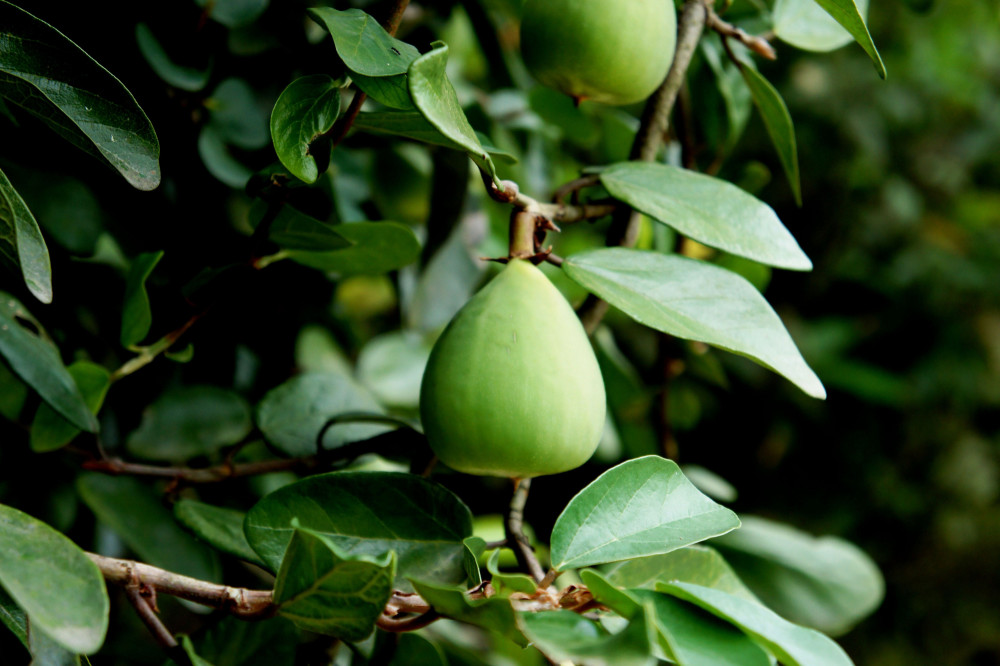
x: 474, y: 548
x: 53, y: 581
x: 822, y: 582
x: 564, y: 636
x: 494, y: 614
x: 52, y: 78
x: 412, y: 125
x: 391, y: 91
x: 377, y: 247
x: 190, y: 421
x: 415, y: 650
x: 219, y: 161
x: 191, y: 653
x: 136, y: 314
x: 324, y: 590
x: 707, y: 209
x: 369, y: 513
x: 734, y: 91
x: 179, y: 76
x: 695, y: 301
x: 505, y: 583
x: 217, y: 526
x: 236, y: 117
x: 13, y: 617
x: 364, y: 45
x: 641, y: 507
x: 21, y: 241
x: 234, y: 13
x: 791, y: 644
x: 392, y: 365
x: 38, y: 364
x: 779, y: 125
x: 846, y: 13
x: 292, y: 415
x: 46, y: 652
x: 49, y: 430
x: 294, y: 230
x: 694, y: 564
x: 303, y: 113
x: 236, y: 642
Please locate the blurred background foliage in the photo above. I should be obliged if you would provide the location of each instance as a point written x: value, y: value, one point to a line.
x: 900, y: 318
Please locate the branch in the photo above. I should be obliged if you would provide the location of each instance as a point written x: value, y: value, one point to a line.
x: 556, y: 212
x: 758, y: 45
x: 514, y: 527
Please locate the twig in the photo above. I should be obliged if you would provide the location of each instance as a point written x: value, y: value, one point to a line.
x: 189, y: 475
x: 146, y: 611
x: 514, y: 527
x: 556, y: 212
x: 757, y: 44
x: 574, y: 186
x: 148, y: 354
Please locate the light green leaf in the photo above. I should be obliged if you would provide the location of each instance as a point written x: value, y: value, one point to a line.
x: 707, y: 209
x: 564, y: 636
x: 364, y: 45
x: 369, y: 513
x: 435, y: 98
x: 37, y: 362
x: 46, y: 652
x: 217, y: 526
x: 179, y: 76
x: 392, y: 365
x: 377, y: 247
x: 505, y: 583
x: 494, y: 614
x: 52, y: 78
x: 778, y: 123
x: 53, y: 581
x: 694, y: 564
x: 848, y: 15
x: 825, y: 583
x: 304, y: 112
x: 136, y: 314
x: 640, y: 508
x: 292, y: 415
x: 189, y: 422
x: 695, y: 301
x: 806, y: 25
x: 21, y: 241
x: 412, y: 125
x: 50, y: 431
x: 791, y: 644
x: 474, y: 548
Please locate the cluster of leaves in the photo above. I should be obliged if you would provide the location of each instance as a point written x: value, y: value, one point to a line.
x: 341, y: 544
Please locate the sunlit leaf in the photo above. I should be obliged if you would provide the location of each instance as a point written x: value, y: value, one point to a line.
x: 364, y: 45
x: 304, y: 112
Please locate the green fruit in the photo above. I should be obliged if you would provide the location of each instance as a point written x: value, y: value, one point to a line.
x: 512, y: 387
x: 612, y: 51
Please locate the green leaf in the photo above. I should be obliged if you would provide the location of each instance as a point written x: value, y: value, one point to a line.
x: 185, y: 78
x: 415, y: 650
x: 392, y: 365
x: 292, y: 415
x: 46, y: 652
x: 219, y: 527
x: 695, y: 301
x: 505, y: 583
x: 37, y: 362
x: 369, y: 513
x: 848, y: 15
x: 564, y: 636
x: 236, y: 642
x: 13, y: 617
x: 322, y: 589
x: 190, y: 421
x: 50, y: 431
x: 474, y: 548
x: 707, y: 209
x: 391, y: 91
x: 52, y: 78
x: 791, y: 644
x: 236, y: 116
x: 234, y: 13
x: 294, y: 230
x: 413, y: 125
x: 693, y: 564
x: 192, y: 653
x: 21, y: 241
x: 304, y: 112
x: 825, y: 583
x: 494, y: 614
x: 734, y: 91
x: 806, y: 25
x: 641, y: 507
x: 435, y: 98
x: 136, y: 314
x: 377, y: 247
x: 778, y: 123
x: 53, y: 581
x: 219, y: 160
x: 363, y: 45
x: 135, y: 512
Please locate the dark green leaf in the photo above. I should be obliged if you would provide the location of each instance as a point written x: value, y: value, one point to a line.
x: 696, y: 301
x: 779, y: 125
x: 46, y: 652
x: 37, y: 362
x: 415, y: 650
x: 179, y: 76
x: 435, y: 98
x: 192, y: 653
x: 294, y: 230
x: 564, y: 636
x: 236, y: 116
x: 391, y: 91
x: 322, y: 589
x: 304, y: 112
x: 494, y: 614
x: 292, y: 415
x: 50, y: 431
x: 236, y: 642
x: 53, y: 581
x: 219, y: 161
x: 234, y: 13
x: 734, y: 91
x: 363, y: 45
x: 13, y: 617
x: 693, y: 564
x: 791, y: 644
x: 847, y: 14
x: 189, y: 422
x: 641, y: 507
x: 136, y: 314
x: 52, y: 78
x: 707, y: 209
x: 219, y: 527
x: 412, y: 125
x: 136, y: 514
x: 392, y: 366
x: 369, y: 513
x: 378, y: 247
x: 21, y: 241
x: 825, y: 583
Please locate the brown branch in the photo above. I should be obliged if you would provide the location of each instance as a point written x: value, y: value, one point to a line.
x: 146, y: 610
x: 556, y: 212
x: 189, y: 475
x: 757, y: 44
x: 514, y: 527
x: 573, y: 187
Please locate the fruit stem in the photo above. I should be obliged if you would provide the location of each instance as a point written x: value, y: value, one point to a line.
x: 517, y: 540
x: 522, y: 235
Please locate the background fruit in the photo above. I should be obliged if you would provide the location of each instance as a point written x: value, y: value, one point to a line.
x: 613, y: 52
x: 512, y: 387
